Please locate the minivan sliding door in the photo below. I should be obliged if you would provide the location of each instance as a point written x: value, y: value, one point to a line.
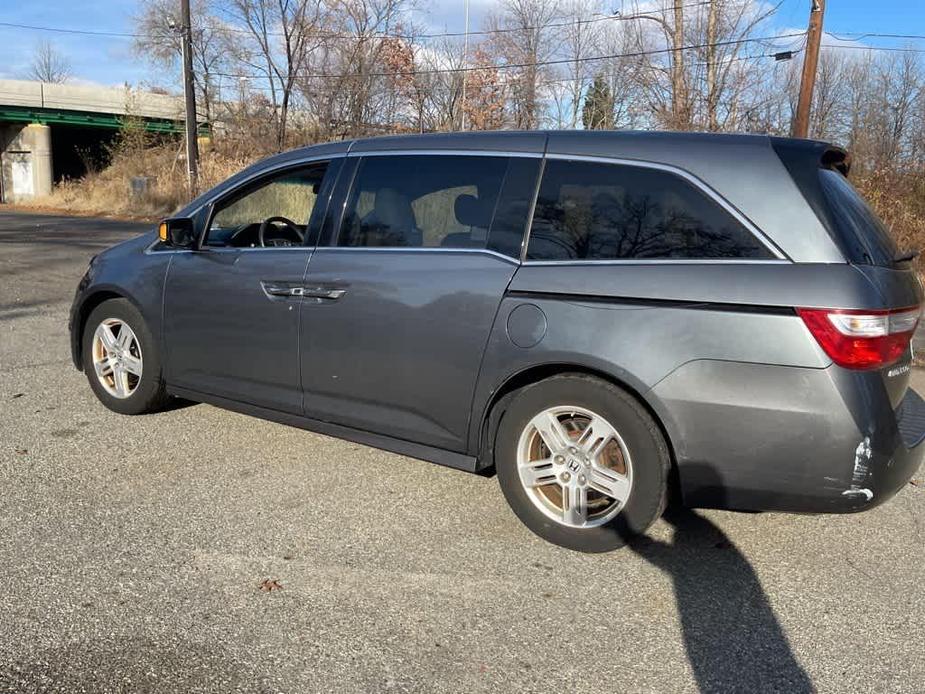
x: 403, y: 298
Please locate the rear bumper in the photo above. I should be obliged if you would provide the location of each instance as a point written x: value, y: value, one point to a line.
x: 770, y: 438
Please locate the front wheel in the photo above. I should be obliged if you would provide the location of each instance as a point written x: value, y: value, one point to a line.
x: 582, y: 463
x: 120, y: 359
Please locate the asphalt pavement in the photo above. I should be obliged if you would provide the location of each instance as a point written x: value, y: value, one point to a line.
x: 201, y: 550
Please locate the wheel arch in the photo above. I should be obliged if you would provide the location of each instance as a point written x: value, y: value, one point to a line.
x: 494, y: 410
x: 93, y: 299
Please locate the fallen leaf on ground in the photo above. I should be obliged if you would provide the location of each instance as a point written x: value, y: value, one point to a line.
x: 270, y: 584
x: 22, y: 451
x: 17, y: 395
x: 917, y: 483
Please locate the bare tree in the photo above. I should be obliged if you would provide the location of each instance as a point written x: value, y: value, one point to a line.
x: 48, y: 64
x: 158, y: 40
x: 523, y: 39
x: 581, y: 38
x: 485, y: 94
x: 349, y: 88
x: 275, y: 40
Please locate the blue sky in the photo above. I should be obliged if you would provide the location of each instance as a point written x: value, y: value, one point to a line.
x: 110, y: 61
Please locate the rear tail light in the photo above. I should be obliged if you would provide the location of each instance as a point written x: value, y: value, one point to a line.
x: 862, y: 339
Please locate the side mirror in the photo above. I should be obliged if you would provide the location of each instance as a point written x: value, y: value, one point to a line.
x: 177, y: 232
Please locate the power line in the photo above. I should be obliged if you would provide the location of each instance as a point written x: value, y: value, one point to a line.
x: 61, y: 30
x: 841, y: 36
x: 590, y: 78
x: 512, y: 66
x: 884, y: 49
x: 339, y: 35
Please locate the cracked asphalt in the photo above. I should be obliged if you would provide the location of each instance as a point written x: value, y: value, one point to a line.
x: 133, y: 550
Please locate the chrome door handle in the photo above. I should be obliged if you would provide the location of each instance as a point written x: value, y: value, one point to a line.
x: 284, y: 290
x: 273, y: 289
x: 323, y: 293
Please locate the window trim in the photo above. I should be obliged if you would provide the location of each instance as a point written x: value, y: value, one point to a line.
x: 417, y: 249
x: 759, y: 235
x: 338, y: 222
x: 353, y: 154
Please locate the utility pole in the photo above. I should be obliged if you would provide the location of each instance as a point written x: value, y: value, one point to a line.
x: 800, y: 126
x: 189, y: 93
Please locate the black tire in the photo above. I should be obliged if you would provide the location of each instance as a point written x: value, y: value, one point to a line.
x: 149, y: 395
x: 651, y: 460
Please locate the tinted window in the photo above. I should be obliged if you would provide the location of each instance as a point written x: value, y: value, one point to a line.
x: 588, y: 210
x: 507, y: 228
x: 423, y: 201
x: 856, y: 221
x: 290, y: 196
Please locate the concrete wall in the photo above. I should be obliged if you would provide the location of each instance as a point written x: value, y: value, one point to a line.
x: 25, y: 161
x: 73, y: 97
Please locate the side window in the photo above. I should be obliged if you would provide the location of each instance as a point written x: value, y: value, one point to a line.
x: 597, y: 211
x: 428, y: 201
x: 275, y: 212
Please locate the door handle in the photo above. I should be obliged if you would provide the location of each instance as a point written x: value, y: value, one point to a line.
x: 290, y: 291
x: 273, y: 289
x: 323, y: 293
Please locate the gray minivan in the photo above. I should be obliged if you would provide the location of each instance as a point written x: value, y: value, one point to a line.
x: 601, y: 318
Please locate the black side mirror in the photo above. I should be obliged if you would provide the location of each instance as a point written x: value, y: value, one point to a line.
x: 177, y: 232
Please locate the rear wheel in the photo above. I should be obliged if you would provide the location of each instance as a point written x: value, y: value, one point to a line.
x: 120, y: 359
x: 582, y: 463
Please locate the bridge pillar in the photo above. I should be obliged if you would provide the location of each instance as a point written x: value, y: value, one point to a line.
x: 25, y: 161
x: 39, y: 137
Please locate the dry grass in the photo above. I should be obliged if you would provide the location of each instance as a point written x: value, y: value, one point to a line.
x: 108, y: 192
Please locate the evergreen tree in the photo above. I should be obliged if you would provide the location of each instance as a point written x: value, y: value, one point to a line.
x: 597, y: 113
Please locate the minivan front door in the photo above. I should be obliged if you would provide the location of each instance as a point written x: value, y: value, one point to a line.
x: 400, y: 304
x: 231, y: 310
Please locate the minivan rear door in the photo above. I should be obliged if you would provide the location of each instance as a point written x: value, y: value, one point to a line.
x: 821, y: 173
x: 874, y: 254
x: 400, y: 299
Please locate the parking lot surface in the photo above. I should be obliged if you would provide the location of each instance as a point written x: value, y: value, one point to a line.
x: 201, y: 550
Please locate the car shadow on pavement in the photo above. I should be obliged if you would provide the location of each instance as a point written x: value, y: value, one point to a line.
x: 733, y: 639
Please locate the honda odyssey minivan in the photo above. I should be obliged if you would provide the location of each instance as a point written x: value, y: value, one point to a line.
x: 599, y: 318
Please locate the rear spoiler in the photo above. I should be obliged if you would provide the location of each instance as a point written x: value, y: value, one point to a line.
x: 806, y: 155
x: 837, y: 159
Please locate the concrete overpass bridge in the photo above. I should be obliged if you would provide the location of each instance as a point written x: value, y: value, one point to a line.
x: 47, y: 131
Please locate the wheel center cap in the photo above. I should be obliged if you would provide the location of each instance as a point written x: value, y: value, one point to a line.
x: 573, y: 465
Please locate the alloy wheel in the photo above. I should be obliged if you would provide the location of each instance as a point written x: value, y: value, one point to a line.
x: 574, y: 466
x: 117, y: 358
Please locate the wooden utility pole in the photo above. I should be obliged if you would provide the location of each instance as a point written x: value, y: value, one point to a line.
x: 712, y: 11
x: 678, y: 77
x: 800, y: 126
x: 192, y: 146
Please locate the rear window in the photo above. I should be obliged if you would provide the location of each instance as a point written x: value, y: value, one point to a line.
x: 857, y: 224
x: 596, y: 211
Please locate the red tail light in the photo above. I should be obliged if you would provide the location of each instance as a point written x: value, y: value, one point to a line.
x: 862, y: 339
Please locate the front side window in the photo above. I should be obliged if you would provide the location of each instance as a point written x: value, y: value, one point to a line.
x: 423, y: 201
x: 597, y: 211
x: 275, y: 212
